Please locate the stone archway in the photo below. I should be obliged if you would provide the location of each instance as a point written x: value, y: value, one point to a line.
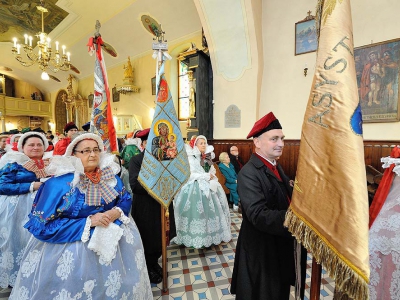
x: 60, y: 112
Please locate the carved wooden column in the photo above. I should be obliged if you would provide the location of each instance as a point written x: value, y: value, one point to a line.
x: 69, y: 106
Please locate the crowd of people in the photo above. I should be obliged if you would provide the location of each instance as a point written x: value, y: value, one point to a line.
x: 75, y: 220
x: 62, y: 196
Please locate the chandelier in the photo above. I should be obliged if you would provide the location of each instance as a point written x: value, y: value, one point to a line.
x: 45, y: 58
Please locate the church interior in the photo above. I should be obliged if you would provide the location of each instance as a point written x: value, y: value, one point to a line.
x: 231, y: 63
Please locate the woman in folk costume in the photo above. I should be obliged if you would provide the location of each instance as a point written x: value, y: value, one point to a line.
x: 84, y: 245
x: 132, y: 148
x: 384, y: 233
x: 13, y: 146
x: 201, y: 210
x: 21, y: 175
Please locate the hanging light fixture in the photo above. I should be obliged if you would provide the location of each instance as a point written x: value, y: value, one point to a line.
x: 45, y: 58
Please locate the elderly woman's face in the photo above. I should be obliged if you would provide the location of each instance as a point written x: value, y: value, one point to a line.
x: 201, y: 145
x: 89, y: 153
x: 33, y: 148
x: 226, y: 159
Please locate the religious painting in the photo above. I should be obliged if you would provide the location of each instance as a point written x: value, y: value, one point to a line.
x: 153, y: 85
x: 90, y: 98
x: 22, y: 17
x: 377, y: 72
x: 163, y: 145
x: 115, y: 94
x: 305, y: 36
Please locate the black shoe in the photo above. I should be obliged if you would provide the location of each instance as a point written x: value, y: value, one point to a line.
x: 154, y: 276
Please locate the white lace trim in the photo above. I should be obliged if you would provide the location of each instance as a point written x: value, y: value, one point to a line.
x: 13, y: 157
x: 387, y: 161
x: 61, y: 165
x: 196, y: 152
x: 134, y: 141
x: 106, y: 251
x: 384, y: 247
x: 123, y: 218
x: 86, y: 230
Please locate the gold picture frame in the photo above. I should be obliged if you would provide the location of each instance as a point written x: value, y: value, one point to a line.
x: 377, y: 73
x: 153, y: 85
x: 305, y: 35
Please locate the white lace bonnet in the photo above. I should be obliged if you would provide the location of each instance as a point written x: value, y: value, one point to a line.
x: 28, y: 135
x: 81, y: 137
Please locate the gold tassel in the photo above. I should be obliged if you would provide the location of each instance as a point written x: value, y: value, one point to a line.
x: 347, y: 280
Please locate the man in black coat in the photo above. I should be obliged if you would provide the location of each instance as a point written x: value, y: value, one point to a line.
x: 264, y: 262
x: 146, y: 212
x: 236, y: 160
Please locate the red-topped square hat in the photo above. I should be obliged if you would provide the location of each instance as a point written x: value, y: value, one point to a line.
x: 143, y: 134
x: 266, y: 123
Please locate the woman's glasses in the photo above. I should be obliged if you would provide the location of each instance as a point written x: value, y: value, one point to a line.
x: 87, y: 151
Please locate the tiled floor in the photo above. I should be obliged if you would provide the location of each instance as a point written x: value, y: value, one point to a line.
x: 206, y: 273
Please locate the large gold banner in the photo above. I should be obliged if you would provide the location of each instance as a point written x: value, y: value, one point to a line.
x: 329, y: 209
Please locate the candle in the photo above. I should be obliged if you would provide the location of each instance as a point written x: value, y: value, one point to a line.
x: 68, y: 55
x: 30, y: 41
x: 57, y: 46
x: 15, y: 42
x: 40, y: 53
x: 26, y: 38
x: 63, y: 47
x: 18, y: 47
x: 48, y: 43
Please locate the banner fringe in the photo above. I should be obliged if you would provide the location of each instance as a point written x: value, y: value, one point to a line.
x: 347, y: 280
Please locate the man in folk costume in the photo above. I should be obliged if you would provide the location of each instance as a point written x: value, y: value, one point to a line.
x: 61, y: 146
x: 147, y: 215
x: 265, y: 265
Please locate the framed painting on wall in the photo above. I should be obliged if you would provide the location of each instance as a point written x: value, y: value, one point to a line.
x: 115, y: 94
x: 153, y: 85
x: 377, y: 72
x: 305, y: 36
x: 126, y: 123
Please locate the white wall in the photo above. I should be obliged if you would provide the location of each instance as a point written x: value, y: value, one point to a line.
x: 285, y: 90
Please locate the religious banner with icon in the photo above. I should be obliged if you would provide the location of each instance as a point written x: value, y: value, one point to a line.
x: 165, y: 166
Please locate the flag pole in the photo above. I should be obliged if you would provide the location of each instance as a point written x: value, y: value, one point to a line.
x: 164, y: 240
x: 158, y: 48
x: 315, y: 288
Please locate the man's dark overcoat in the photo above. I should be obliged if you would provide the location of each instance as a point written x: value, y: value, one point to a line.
x: 264, y: 260
x: 146, y: 212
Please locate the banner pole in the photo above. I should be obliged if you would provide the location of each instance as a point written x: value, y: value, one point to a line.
x: 164, y: 232
x: 315, y: 280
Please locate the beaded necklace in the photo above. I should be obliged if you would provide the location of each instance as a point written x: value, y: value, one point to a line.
x: 94, y: 176
x: 39, y: 163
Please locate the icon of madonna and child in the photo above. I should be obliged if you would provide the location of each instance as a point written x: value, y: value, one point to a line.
x: 163, y: 146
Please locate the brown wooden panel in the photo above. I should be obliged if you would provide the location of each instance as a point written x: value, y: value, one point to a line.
x: 373, y: 151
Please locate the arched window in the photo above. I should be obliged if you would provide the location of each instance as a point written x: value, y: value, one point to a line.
x: 183, y: 94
